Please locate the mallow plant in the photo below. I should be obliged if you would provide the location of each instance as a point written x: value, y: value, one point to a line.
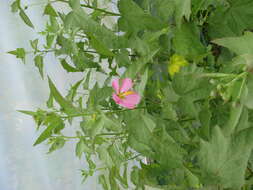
x: 175, y: 110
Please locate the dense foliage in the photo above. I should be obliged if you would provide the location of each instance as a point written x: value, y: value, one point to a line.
x: 191, y: 63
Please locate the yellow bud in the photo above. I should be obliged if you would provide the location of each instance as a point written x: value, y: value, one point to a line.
x: 176, y: 62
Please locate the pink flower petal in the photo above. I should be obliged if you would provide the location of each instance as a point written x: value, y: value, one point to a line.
x: 131, y: 100
x: 115, y: 85
x: 129, y: 106
x: 126, y: 84
x: 116, y: 99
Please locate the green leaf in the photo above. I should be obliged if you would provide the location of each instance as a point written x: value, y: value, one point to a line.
x: 66, y: 105
x: 54, y: 125
x: 168, y: 152
x: 100, y: 47
x: 140, y: 137
x: 15, y: 6
x: 81, y: 147
x: 72, y: 92
x: 39, y: 64
x: 31, y: 113
x: 74, y: 4
x: 25, y: 18
x: 49, y: 10
x: 164, y: 9
x: 104, y: 156
x: 184, y: 82
x: 187, y: 42
x: 219, y: 158
x: 205, y: 119
x: 45, y: 135
x: 50, y: 101
x: 232, y: 19
x: 34, y: 44
x: 235, y: 114
x: 182, y: 9
x: 249, y: 99
x: 135, y: 19
x: 116, y: 155
x: 68, y: 67
x: 79, y: 19
x: 192, y: 180
x: 240, y: 45
x: 50, y: 40
x: 102, y: 180
x: 19, y: 53
x: 57, y: 143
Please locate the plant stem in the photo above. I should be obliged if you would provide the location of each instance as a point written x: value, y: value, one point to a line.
x: 216, y: 75
x: 95, y: 8
x: 88, y: 114
x: 78, y: 137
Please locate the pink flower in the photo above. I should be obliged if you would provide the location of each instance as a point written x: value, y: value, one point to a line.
x: 123, y: 95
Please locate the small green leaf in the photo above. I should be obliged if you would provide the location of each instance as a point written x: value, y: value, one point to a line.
x: 25, y: 18
x: 54, y: 125
x: 50, y: 40
x: 15, y: 6
x: 45, y: 135
x: 19, y: 53
x: 100, y: 47
x: 39, y: 64
x: 57, y: 143
x: 31, y: 113
x: 66, y: 105
x: 49, y: 10
x: 68, y: 67
x: 102, y: 180
x: 81, y: 148
x: 72, y: 92
x: 34, y: 44
x: 50, y: 101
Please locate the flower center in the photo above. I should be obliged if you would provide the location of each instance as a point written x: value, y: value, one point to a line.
x: 122, y: 95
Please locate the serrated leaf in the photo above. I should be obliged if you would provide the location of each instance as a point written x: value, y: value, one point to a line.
x: 25, y: 18
x: 100, y: 47
x: 134, y: 19
x: 240, y: 45
x: 182, y: 9
x: 232, y: 19
x: 219, y: 158
x: 187, y: 42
